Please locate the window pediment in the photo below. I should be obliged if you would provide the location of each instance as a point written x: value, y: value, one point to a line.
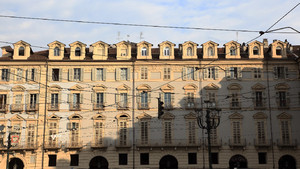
x: 55, y: 88
x: 53, y: 117
x: 144, y: 87
x: 99, y: 117
x: 99, y: 88
x: 260, y: 115
x: 16, y: 118
x: 123, y: 88
x: 144, y: 116
x: 18, y: 89
x: 258, y: 86
x: 211, y: 86
x: 190, y: 87
x: 236, y: 116
x: 77, y: 44
x: 75, y: 117
x: 123, y: 116
x: 56, y: 44
x: 76, y: 87
x: 166, y: 43
x: 167, y: 88
x: 167, y: 116
x: 191, y: 115
x: 99, y: 44
x: 282, y: 86
x: 234, y: 86
x: 284, y: 115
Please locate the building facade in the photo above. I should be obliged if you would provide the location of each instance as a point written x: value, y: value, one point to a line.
x: 97, y: 107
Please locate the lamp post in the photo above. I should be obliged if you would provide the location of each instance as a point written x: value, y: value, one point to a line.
x: 212, y: 121
x: 8, y: 146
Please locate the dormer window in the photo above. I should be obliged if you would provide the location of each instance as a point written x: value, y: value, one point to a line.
x: 166, y: 51
x: 144, y: 51
x: 77, y: 51
x: 56, y: 51
x: 278, y: 50
x: 255, y: 50
x: 123, y: 52
x: 189, y: 51
x: 21, y: 51
x: 210, y: 51
x: 232, y: 51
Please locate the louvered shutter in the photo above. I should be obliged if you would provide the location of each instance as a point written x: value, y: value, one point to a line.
x: 149, y: 98
x: 216, y: 73
x: 93, y: 74
x: 275, y: 73
x: 117, y: 74
x: 128, y: 73
x: 288, y: 98
x: 59, y: 98
x: 227, y: 73
x: 254, y: 98
x: 69, y: 126
x: 12, y: 74
x: 70, y: 74
x: 138, y: 98
x: 277, y: 98
x: 93, y: 95
x: 60, y: 74
x: 184, y: 73
x: 264, y: 99
x: 27, y: 100
x: 239, y: 72
x: 172, y: 99
x: 81, y: 74
x: 117, y: 97
x: 286, y: 71
x: 50, y: 75
x: 104, y: 97
x: 26, y: 75
x: 104, y: 74
x: 205, y: 73
x: 195, y: 73
x: 81, y: 98
x: 36, y: 75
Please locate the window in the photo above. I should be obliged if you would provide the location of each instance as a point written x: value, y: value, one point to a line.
x: 235, y: 102
x: 123, y: 159
x: 16, y: 129
x: 99, y: 74
x: 259, y: 101
x: 236, y: 133
x: 2, y: 137
x: 33, y: 101
x: 211, y: 73
x: 190, y: 100
x: 192, y: 158
x: 144, y: 100
x: 100, y: 100
x: 210, y: 51
x: 123, y: 102
x: 144, y: 73
x: 124, y: 74
x: 124, y: 52
x: 55, y: 74
x: 54, y: 101
x: 18, y: 99
x: 77, y: 51
x: 190, y: 73
x: 3, y: 102
x: 77, y: 74
x: 211, y: 96
x: 280, y: 72
x: 74, y: 138
x: 278, y: 50
x: 98, y: 127
x: 213, y: 137
x: 168, y: 132
x: 56, y: 51
x: 5, y: 75
x: 144, y: 158
x: 215, y: 158
x: 123, y: 133
x: 257, y: 73
x: 233, y: 74
x: 192, y: 132
x: 30, y: 135
x: 282, y: 99
x: 52, y: 160
x: 255, y: 50
x: 232, y: 51
x: 19, y: 74
x: 76, y: 101
x: 52, y: 139
x: 144, y: 51
x: 74, y: 159
x: 167, y: 100
x: 21, y: 51
x: 285, y: 132
x: 262, y: 158
x: 167, y: 73
x: 261, y: 133
x: 189, y: 51
x: 144, y: 132
x: 166, y: 51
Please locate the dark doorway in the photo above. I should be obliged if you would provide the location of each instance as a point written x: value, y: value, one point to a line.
x: 168, y: 162
x: 238, y: 161
x: 98, y: 162
x: 287, y: 162
x: 16, y: 163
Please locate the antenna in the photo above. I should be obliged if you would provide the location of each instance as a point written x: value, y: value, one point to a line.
x: 141, y: 36
x: 128, y: 37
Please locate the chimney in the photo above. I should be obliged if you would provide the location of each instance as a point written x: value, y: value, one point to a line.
x: 265, y: 43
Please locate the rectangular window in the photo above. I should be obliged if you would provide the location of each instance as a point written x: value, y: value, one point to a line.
x: 100, y: 98
x: 190, y: 73
x: 32, y: 75
x: 168, y: 132
x: 235, y: 103
x: 123, y: 133
x: 144, y: 158
x: 261, y: 134
x: 192, y: 158
x: 76, y: 101
x: 258, y: 99
x: 98, y: 133
x: 123, y: 102
x: 3, y: 102
x: 213, y: 137
x: 282, y: 99
x: 144, y: 73
x: 5, y: 75
x: 144, y: 100
x: 33, y: 101
x: 123, y: 159
x: 54, y: 101
x: 215, y: 158
x: 74, y: 159
x: 167, y: 100
x: 2, y: 137
x: 52, y: 134
x: 236, y: 132
x: 190, y: 101
x: 211, y: 97
x: 19, y: 74
x: 99, y: 74
x: 77, y: 74
x: 74, y: 134
x: 52, y: 160
x: 257, y: 73
x: 192, y: 132
x: 167, y: 73
x: 124, y: 74
x: 233, y: 72
x: 144, y: 132
x: 262, y: 158
x: 30, y: 135
x: 211, y: 73
x: 285, y: 134
x: 280, y: 72
x: 55, y: 75
x: 123, y: 52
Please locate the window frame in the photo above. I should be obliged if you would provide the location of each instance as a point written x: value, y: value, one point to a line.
x: 56, y: 51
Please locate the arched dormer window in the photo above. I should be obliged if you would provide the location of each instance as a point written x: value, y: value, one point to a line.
x: 56, y: 51
x: 278, y: 50
x: 77, y: 51
x: 144, y: 51
x: 255, y: 50
x: 232, y: 51
x: 166, y: 51
x: 210, y: 51
x: 21, y: 51
x: 189, y: 51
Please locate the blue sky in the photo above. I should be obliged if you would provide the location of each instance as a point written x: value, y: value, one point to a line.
x: 231, y: 14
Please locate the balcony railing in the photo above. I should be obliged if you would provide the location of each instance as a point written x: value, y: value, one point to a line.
x: 168, y: 143
x: 3, y: 108
x: 287, y: 143
x: 283, y: 105
x: 74, y: 145
x: 122, y: 106
x: 75, y: 106
x: 99, y: 144
x: 53, y: 107
x: 238, y: 143
x: 262, y: 143
x: 143, y: 106
x: 190, y: 105
x: 98, y: 106
x: 123, y: 143
x: 214, y: 143
x: 32, y: 107
x: 235, y: 105
x: 53, y: 145
x: 16, y: 107
x: 20, y: 147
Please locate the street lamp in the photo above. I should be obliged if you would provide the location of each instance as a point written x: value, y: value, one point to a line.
x: 212, y: 121
x: 8, y: 145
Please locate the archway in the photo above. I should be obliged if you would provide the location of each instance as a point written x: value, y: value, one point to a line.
x: 287, y: 162
x: 168, y: 162
x: 238, y: 161
x: 16, y: 163
x: 98, y: 162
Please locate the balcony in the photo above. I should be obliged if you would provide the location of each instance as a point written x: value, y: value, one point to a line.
x: 16, y: 107
x: 122, y: 106
x: 235, y: 105
x: 32, y: 107
x: 98, y: 106
x: 189, y: 105
x: 174, y: 143
x: 214, y: 143
x: 53, y: 107
x: 75, y: 106
x: 143, y: 106
x: 283, y: 105
x: 100, y: 144
x: 237, y: 144
x: 74, y: 145
x: 123, y: 143
x: 287, y: 144
x: 262, y: 143
x: 260, y: 105
x: 53, y: 145
x: 168, y: 106
x: 21, y: 147
x: 3, y: 108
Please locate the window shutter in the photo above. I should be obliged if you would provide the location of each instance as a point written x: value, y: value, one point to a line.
x: 195, y: 74
x: 12, y: 74
x: 49, y: 98
x: 93, y: 95
x: 172, y: 98
x: 138, y: 98
x: 205, y: 73
x: 104, y: 74
x: 277, y: 98
x: 288, y: 98
x: 36, y: 76
x: 81, y: 98
x: 93, y: 75
x: 37, y: 99
x: 275, y: 73
x: 149, y: 97
x: 286, y: 71
x: 216, y: 73
x: 59, y: 98
x: 69, y: 126
x: 264, y: 98
x: 128, y: 73
x: 70, y: 73
x: 26, y: 74
x: 117, y: 74
x: 240, y: 74
x: 117, y: 99
x: 69, y: 98
x: 50, y: 75
x: 23, y: 76
x: 254, y: 97
x: 60, y: 75
x: 227, y: 73
x: 128, y: 100
x: 184, y: 73
x: 81, y: 74
x: 104, y: 97
x: 161, y: 96
x: 27, y: 100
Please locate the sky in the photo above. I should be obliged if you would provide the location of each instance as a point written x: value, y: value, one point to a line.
x: 226, y: 14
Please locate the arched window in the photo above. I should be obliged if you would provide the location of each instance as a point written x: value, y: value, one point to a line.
x: 144, y: 51
x: 232, y: 51
x: 255, y: 50
x: 278, y: 50
x: 210, y: 51
x: 166, y: 51
x: 56, y: 51
x: 189, y: 51
x: 77, y: 51
x: 21, y: 51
